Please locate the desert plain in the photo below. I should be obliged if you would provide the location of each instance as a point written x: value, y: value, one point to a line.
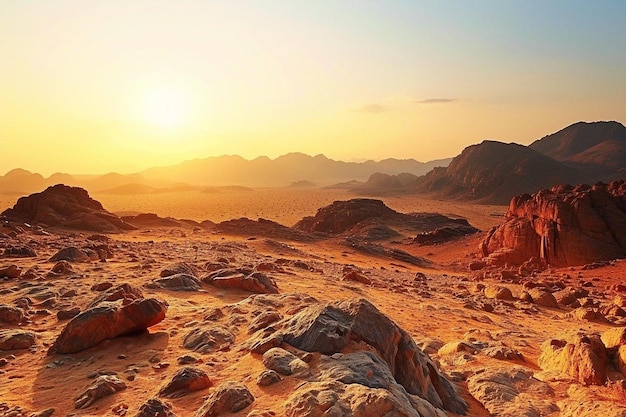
x: 478, y: 326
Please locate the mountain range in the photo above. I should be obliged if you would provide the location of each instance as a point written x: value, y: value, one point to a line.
x: 489, y: 172
x: 292, y: 169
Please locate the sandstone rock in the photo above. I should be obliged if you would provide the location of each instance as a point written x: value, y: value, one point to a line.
x: 263, y: 320
x: 11, y: 271
x: 499, y: 293
x: 284, y: 363
x: 332, y: 327
x: 229, y: 397
x: 543, y: 298
x: 614, y: 337
x: 121, y: 292
x: 177, y: 282
x: 179, y: 268
x: 68, y: 314
x: 268, y: 377
x: 356, y: 276
x: 16, y: 339
x: 103, y: 386
x: 108, y: 321
x: 356, y: 384
x: 74, y: 254
x: 581, y: 357
x: 256, y: 282
x: 155, y: 408
x: 185, y: 381
x: 562, y: 227
x: 211, y: 339
x: 511, y: 392
x: 64, y: 206
x: 620, y: 359
x: 11, y: 315
x: 19, y: 252
x: 61, y: 268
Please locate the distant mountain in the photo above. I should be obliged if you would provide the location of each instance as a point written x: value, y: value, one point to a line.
x: 493, y: 172
x: 597, y: 149
x: 283, y: 171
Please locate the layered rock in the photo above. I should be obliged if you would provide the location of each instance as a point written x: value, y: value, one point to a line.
x: 411, y: 379
x: 64, y: 206
x: 562, y: 226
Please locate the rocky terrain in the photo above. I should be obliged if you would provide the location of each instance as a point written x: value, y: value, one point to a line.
x: 253, y: 318
x: 562, y: 226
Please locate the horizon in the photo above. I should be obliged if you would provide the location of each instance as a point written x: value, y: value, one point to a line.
x: 126, y: 87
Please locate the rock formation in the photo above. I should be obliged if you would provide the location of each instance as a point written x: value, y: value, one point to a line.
x: 64, y: 206
x: 562, y: 226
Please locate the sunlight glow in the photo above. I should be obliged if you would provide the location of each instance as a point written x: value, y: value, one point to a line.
x: 165, y: 107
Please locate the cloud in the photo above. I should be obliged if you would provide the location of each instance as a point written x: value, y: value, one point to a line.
x: 372, y: 108
x: 436, y: 100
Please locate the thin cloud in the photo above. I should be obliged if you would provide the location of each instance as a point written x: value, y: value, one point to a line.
x: 437, y: 100
x: 373, y: 108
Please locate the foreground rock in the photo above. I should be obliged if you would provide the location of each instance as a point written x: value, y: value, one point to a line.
x: 242, y: 279
x: 16, y: 339
x: 331, y: 328
x: 103, y: 386
x: 580, y: 357
x: 184, y: 382
x: 229, y: 397
x: 511, y: 393
x: 107, y: 321
x: 155, y: 408
x: 64, y: 206
x: 562, y: 226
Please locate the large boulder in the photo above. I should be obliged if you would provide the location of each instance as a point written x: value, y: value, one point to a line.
x: 64, y: 206
x: 16, y: 339
x: 511, y: 392
x: 107, y: 321
x: 331, y: 328
x: 562, y: 226
x: 580, y: 357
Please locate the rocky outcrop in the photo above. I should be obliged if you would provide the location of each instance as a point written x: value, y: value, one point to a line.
x: 16, y: 339
x: 242, y: 279
x: 185, y: 381
x: 335, y: 327
x: 229, y: 397
x: 103, y: 386
x: 107, y: 321
x: 69, y: 207
x: 580, y: 357
x: 562, y: 226
x: 511, y: 392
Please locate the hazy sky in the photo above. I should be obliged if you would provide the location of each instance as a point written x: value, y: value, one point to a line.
x: 95, y: 86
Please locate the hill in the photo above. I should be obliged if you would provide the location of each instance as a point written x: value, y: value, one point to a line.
x: 282, y: 171
x: 597, y: 149
x: 493, y: 172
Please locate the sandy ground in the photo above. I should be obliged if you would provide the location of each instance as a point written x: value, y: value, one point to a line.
x: 436, y: 308
x: 283, y: 205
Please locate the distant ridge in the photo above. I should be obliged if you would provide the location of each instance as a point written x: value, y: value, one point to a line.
x: 493, y: 172
x: 284, y: 170
x: 597, y: 149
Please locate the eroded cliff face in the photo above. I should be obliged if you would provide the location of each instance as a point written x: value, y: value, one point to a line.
x: 562, y: 226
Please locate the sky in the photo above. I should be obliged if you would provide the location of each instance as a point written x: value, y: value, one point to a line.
x: 90, y: 87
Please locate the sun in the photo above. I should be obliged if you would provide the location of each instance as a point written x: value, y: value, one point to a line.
x: 165, y: 107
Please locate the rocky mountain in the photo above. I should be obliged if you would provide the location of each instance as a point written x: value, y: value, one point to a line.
x: 597, y: 149
x: 282, y: 171
x: 562, y: 226
x: 493, y: 172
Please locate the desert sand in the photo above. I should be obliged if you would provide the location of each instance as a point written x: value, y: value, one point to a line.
x: 444, y: 307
